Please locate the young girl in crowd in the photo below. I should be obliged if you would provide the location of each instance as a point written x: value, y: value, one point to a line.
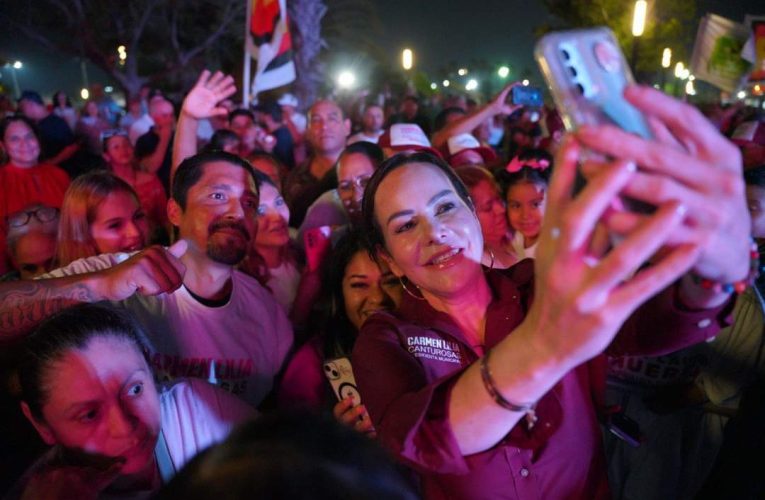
x: 89, y: 393
x: 100, y: 214
x: 119, y: 156
x: 498, y: 249
x: 525, y: 181
x: 62, y: 107
x: 356, y: 287
x: 23, y: 179
x: 485, y: 391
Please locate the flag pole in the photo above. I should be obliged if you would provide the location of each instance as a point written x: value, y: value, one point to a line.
x: 247, y: 59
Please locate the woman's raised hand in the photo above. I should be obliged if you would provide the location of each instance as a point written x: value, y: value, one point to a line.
x: 202, y: 101
x: 689, y: 162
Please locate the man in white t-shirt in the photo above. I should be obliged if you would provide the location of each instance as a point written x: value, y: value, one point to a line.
x: 203, y: 318
x: 372, y: 125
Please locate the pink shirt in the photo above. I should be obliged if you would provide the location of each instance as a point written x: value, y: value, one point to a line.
x: 406, y: 363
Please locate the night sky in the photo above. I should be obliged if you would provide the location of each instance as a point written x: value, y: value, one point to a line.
x: 500, y: 31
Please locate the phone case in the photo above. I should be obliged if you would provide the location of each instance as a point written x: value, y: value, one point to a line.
x: 340, y: 375
x: 587, y: 73
x: 527, y: 96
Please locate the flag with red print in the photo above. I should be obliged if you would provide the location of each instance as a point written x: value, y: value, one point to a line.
x: 269, y: 42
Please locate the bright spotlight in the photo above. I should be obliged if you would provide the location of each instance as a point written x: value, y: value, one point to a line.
x: 741, y: 94
x: 638, y: 19
x: 472, y: 84
x: 407, y: 59
x: 689, y: 88
x: 446, y: 83
x: 18, y: 65
x: 462, y: 71
x: 85, y: 94
x: 679, y: 68
x: 525, y: 82
x: 433, y: 86
x: 503, y: 72
x: 666, y: 58
x: 346, y: 79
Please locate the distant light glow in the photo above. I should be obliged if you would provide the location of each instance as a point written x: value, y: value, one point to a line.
x: 18, y: 65
x: 686, y: 73
x: 503, y: 71
x: 638, y: 20
x: 108, y: 89
x: 346, y: 79
x: 407, y: 59
x: 689, y: 88
x: 472, y: 84
x: 679, y: 68
x: 741, y: 94
x: 666, y: 58
x: 85, y: 94
x: 446, y: 83
x: 525, y: 82
x: 433, y: 86
x: 462, y: 71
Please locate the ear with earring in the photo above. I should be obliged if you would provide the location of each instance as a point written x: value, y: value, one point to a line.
x: 403, y: 285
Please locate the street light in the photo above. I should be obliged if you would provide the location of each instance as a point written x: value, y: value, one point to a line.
x: 525, y: 82
x: 18, y: 65
x: 122, y: 53
x: 462, y: 71
x: 679, y: 68
x: 346, y: 79
x: 433, y: 86
x: 638, y: 19
x: 666, y: 58
x: 503, y: 72
x: 445, y: 83
x: 407, y: 59
x: 472, y: 84
x: 85, y: 94
x: 741, y: 94
x: 13, y: 67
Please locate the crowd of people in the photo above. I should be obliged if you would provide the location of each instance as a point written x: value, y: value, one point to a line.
x: 397, y: 299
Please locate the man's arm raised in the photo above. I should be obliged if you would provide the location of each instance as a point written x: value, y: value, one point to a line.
x: 24, y: 304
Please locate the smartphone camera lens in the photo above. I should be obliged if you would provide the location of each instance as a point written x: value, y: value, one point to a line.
x: 565, y: 53
x: 580, y: 88
x: 572, y: 70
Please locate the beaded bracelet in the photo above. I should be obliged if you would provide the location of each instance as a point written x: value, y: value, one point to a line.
x: 736, y: 286
x: 491, y: 388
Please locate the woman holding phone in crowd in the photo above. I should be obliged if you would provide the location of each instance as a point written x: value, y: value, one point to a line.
x: 483, y: 390
x: 356, y: 287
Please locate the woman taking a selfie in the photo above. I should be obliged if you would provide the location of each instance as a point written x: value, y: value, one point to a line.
x: 87, y: 389
x: 486, y: 392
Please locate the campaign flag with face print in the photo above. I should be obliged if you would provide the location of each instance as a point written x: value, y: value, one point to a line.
x: 270, y: 44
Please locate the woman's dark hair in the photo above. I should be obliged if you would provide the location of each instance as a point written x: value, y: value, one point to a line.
x: 369, y: 149
x: 755, y: 176
x: 70, y: 329
x: 54, y: 100
x: 219, y: 139
x: 371, y: 227
x: 527, y: 174
x: 296, y: 456
x: 339, y: 333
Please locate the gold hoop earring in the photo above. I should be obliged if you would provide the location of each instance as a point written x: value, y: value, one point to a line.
x: 403, y: 285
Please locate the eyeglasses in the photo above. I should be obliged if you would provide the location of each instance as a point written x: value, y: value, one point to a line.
x: 42, y: 214
x: 360, y: 182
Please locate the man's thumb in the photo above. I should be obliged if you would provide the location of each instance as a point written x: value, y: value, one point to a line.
x: 178, y: 248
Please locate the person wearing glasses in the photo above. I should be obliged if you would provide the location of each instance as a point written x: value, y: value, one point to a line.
x: 341, y: 208
x: 31, y: 241
x: 23, y: 179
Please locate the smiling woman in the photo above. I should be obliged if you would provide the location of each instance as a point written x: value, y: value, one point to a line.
x: 100, y: 214
x: 481, y: 379
x: 87, y: 389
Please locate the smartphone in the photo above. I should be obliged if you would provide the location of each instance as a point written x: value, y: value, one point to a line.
x: 317, y: 243
x: 626, y: 429
x: 521, y: 95
x: 587, y: 73
x: 340, y: 375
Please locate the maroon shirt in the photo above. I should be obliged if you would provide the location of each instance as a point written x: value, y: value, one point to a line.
x: 407, y: 362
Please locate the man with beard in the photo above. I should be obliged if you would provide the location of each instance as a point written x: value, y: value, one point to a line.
x: 204, y: 319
